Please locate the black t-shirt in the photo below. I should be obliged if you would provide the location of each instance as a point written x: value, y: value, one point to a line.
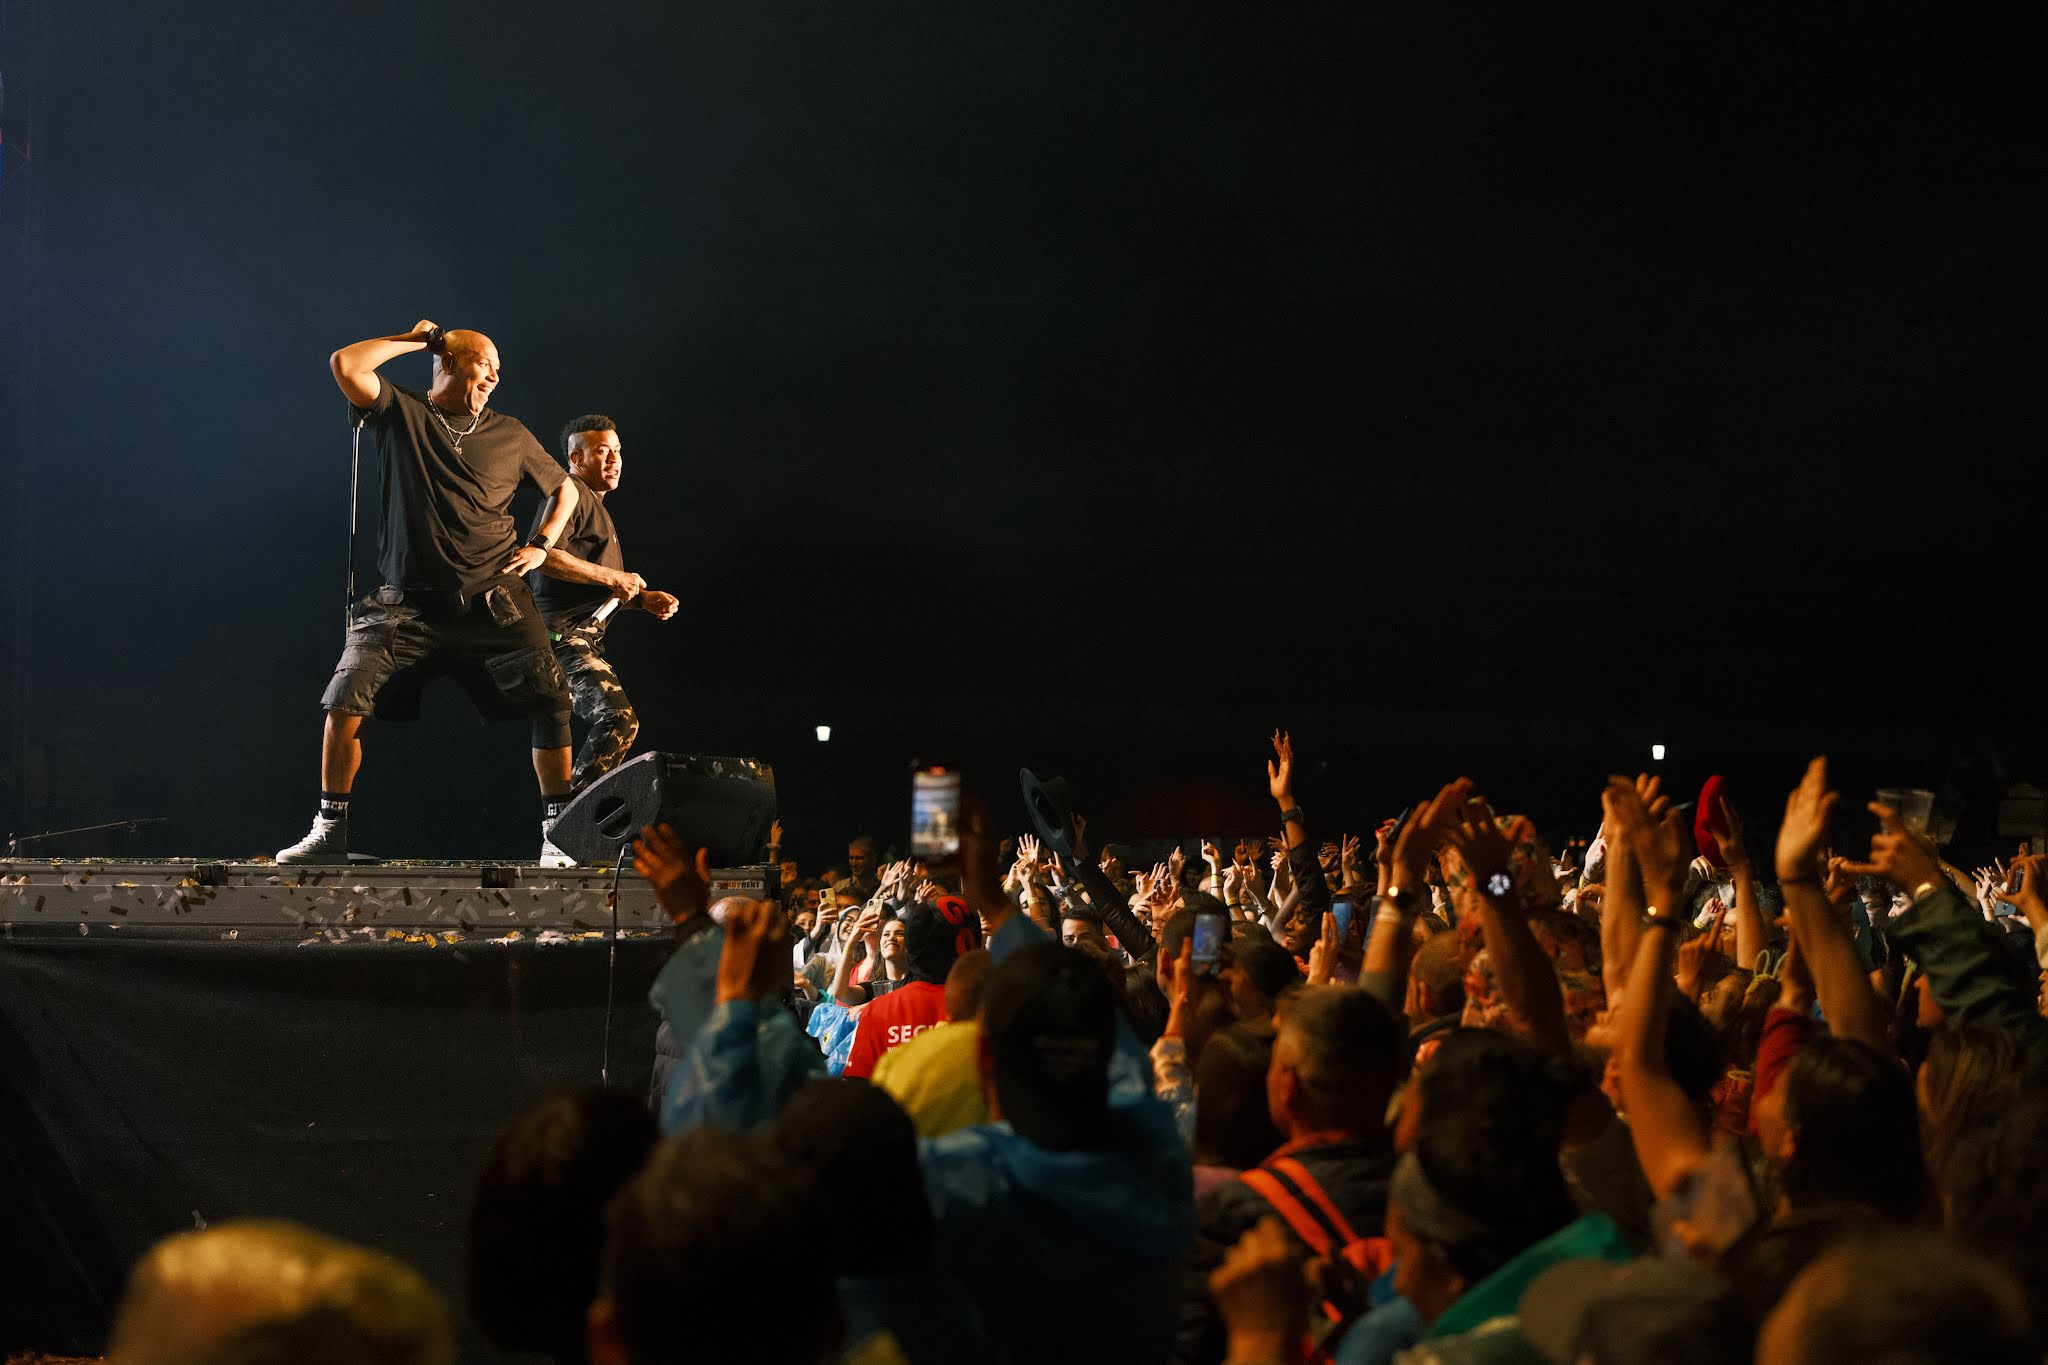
x: 447, y: 521
x: 591, y: 537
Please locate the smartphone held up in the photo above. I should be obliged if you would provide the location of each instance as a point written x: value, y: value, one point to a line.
x: 935, y: 814
x: 1212, y: 931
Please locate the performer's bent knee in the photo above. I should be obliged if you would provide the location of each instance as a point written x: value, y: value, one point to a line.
x: 551, y: 730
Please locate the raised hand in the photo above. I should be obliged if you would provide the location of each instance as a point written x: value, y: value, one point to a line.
x: 681, y: 883
x: 1165, y: 888
x: 1805, y: 828
x: 1733, y: 849
x: 1030, y: 853
x: 1260, y: 1290
x: 1646, y: 818
x: 1990, y: 885
x: 1425, y: 832
x: 1840, y: 883
x: 1234, y: 882
x: 1481, y: 845
x: 979, y: 854
x: 752, y: 930
x: 775, y: 834
x: 1280, y: 771
x: 1176, y: 862
x: 1698, y: 952
x: 1900, y: 856
x: 1322, y: 954
x: 2025, y: 878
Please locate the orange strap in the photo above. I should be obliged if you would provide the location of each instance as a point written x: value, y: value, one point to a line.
x: 1306, y: 1183
x: 1305, y: 1224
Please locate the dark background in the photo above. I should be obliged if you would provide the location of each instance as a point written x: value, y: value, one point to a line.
x: 1092, y: 387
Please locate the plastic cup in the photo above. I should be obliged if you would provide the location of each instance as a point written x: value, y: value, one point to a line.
x: 1915, y: 805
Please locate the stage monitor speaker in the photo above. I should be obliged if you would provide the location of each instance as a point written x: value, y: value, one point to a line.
x: 723, y: 804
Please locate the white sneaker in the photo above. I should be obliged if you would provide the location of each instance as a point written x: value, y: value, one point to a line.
x: 550, y: 856
x: 325, y: 846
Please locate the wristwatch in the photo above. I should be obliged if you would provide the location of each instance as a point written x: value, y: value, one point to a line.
x: 1401, y: 898
x: 539, y: 542
x: 1293, y: 815
x: 436, y: 339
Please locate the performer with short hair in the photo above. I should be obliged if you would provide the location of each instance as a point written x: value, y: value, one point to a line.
x: 586, y: 569
x: 453, y: 601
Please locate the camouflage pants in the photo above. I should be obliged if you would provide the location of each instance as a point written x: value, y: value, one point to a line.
x: 600, y: 702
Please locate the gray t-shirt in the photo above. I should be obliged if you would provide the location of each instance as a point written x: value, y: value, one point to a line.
x: 446, y: 523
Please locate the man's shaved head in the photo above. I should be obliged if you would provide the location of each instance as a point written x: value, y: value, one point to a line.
x: 465, y: 370
x: 464, y: 341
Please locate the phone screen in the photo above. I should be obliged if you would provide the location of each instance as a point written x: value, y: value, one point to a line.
x: 1211, y: 929
x: 934, y: 813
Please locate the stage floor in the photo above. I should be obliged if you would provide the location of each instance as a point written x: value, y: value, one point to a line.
x: 416, y: 902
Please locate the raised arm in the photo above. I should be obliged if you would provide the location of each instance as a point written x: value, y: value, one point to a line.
x: 355, y: 367
x: 1391, y: 945
x: 1966, y: 967
x: 1528, y: 983
x: 1313, y: 890
x: 1622, y: 903
x: 2026, y: 896
x: 1131, y: 934
x: 1750, y: 937
x: 749, y: 1058
x: 1669, y: 1133
x: 868, y: 935
x: 1843, y: 987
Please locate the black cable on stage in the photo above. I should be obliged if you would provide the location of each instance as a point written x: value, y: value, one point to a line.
x: 611, y: 964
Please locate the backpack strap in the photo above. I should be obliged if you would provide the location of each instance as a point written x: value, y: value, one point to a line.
x: 1297, y: 1175
x: 1299, y: 1216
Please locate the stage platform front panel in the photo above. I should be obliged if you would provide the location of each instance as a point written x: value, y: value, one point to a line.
x: 453, y: 902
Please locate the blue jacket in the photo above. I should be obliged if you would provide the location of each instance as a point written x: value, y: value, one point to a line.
x: 740, y: 1069
x: 682, y: 994
x: 1067, y: 1257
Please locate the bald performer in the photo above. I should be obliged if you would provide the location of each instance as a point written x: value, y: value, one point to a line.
x: 453, y: 601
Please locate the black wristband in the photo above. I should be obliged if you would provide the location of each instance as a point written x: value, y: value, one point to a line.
x: 1293, y: 815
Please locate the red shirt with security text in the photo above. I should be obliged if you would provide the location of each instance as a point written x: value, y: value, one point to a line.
x: 895, y: 1018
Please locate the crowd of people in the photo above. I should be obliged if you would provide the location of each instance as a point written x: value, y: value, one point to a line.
x: 1433, y: 1094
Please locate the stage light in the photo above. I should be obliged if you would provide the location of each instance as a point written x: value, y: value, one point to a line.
x: 824, y: 734
x: 1656, y: 753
